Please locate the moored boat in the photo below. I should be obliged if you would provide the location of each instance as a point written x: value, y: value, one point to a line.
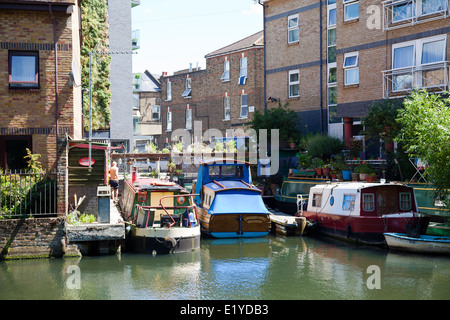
x: 161, y: 217
x: 286, y: 200
x: 362, y: 212
x: 229, y: 205
x: 422, y: 244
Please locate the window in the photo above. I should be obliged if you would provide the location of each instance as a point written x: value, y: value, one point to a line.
x: 349, y: 202
x: 433, y: 6
x: 187, y: 92
x: 169, y: 120
x: 368, y: 201
x: 243, y: 72
x: 188, y: 117
x: 135, y: 101
x: 23, y: 69
x: 156, y: 113
x: 169, y: 91
x: 226, y: 71
x: 317, y: 200
x: 422, y: 52
x: 293, y: 30
x: 244, y: 106
x: 226, y: 107
x: 332, y: 15
x: 405, y: 201
x: 351, y: 10
x: 410, y: 9
x: 402, y: 11
x: 294, y: 83
x: 351, y: 68
x: 332, y: 73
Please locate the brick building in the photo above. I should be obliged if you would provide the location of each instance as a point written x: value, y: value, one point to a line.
x: 40, y: 92
x: 224, y: 96
x: 332, y: 59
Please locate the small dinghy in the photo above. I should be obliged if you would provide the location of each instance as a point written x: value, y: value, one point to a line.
x: 422, y: 244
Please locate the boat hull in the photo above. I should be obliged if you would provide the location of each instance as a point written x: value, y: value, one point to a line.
x: 423, y: 244
x: 163, y: 240
x: 362, y: 229
x: 234, y: 225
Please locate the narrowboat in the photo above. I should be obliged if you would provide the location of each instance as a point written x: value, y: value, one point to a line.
x: 161, y: 217
x: 361, y: 212
x: 286, y: 200
x: 228, y: 204
x: 421, y: 244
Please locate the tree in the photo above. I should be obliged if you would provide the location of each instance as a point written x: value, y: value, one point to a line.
x: 281, y: 118
x: 425, y: 133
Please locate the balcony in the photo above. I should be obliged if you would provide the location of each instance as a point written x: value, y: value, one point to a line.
x: 405, y: 13
x: 400, y: 82
x: 135, y: 40
x: 135, y: 3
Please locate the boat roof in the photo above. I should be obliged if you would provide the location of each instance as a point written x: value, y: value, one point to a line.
x: 228, y: 184
x: 356, y: 185
x: 154, y: 184
x: 223, y: 161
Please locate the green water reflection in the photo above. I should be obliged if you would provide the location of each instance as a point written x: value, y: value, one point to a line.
x: 270, y: 268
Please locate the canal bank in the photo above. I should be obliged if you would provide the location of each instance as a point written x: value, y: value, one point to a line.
x: 53, y: 237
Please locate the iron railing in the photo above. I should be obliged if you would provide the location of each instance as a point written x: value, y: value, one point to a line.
x: 24, y: 193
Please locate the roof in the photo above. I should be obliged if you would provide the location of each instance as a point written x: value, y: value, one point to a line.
x: 255, y: 40
x: 149, y: 82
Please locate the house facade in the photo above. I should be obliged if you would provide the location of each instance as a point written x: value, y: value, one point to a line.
x: 40, y: 91
x: 332, y: 59
x: 222, y: 97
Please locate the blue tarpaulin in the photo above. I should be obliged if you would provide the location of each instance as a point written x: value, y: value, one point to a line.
x: 238, y: 201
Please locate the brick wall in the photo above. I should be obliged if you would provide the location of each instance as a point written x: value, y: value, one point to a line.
x: 31, y: 238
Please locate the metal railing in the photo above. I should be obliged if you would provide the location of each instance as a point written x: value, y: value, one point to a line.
x: 405, y: 13
x: 401, y: 81
x: 24, y: 194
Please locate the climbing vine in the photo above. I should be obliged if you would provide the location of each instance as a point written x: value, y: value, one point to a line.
x: 95, y: 30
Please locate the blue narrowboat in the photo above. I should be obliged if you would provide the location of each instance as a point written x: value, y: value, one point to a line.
x: 229, y: 205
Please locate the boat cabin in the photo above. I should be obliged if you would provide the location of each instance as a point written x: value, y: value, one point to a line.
x: 361, y: 199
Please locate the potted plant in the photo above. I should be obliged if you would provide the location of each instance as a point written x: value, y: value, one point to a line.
x: 363, y: 170
x: 326, y: 169
x: 318, y: 164
x: 372, y: 177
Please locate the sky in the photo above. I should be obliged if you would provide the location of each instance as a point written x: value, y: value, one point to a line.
x: 174, y: 33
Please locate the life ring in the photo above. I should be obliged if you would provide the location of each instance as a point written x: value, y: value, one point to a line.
x: 180, y: 199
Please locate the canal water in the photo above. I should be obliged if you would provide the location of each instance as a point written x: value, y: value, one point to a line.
x: 270, y: 268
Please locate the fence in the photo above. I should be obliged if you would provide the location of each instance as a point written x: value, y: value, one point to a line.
x: 24, y: 193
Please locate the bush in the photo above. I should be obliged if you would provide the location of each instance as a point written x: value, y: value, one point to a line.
x: 323, y: 146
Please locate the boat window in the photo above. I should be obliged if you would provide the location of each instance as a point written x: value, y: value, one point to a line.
x: 405, y: 201
x: 317, y: 200
x: 226, y: 171
x: 349, y: 202
x: 368, y: 202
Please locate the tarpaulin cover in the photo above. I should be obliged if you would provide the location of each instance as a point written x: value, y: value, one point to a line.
x: 238, y: 201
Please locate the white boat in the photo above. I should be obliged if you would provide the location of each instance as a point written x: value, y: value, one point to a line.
x: 422, y: 244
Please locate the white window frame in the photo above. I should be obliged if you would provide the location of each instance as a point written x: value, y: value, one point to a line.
x: 368, y: 200
x: 188, y: 113
x: 243, y: 70
x: 417, y: 55
x: 226, y: 71
x: 348, y: 3
x: 156, y: 109
x: 330, y: 8
x: 187, y: 93
x: 226, y: 106
x: 317, y: 200
x: 169, y: 120
x: 294, y: 28
x: 351, y: 67
x: 416, y: 10
x: 401, y: 201
x: 244, y: 115
x: 169, y: 91
x: 294, y: 83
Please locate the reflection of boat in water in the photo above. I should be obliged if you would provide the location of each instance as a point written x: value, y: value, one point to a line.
x: 421, y: 244
x: 161, y: 217
x: 229, y: 206
x: 362, y: 212
x: 286, y: 200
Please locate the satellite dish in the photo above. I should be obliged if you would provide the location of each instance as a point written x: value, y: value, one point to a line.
x: 76, y: 74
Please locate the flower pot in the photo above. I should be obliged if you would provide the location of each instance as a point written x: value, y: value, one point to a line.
x: 371, y: 178
x: 363, y: 176
x: 318, y: 171
x: 355, y: 176
x: 334, y: 176
x: 326, y: 171
x: 346, y: 175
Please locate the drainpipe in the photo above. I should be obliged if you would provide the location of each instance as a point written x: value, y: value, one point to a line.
x: 321, y: 67
x: 264, y: 52
x: 56, y: 78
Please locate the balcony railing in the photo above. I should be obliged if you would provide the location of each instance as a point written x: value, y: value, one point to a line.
x: 404, y: 13
x: 135, y: 3
x: 399, y: 82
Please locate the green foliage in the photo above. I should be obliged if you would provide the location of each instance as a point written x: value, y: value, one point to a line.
x: 323, y: 146
x: 425, y: 133
x: 380, y: 121
x: 363, y: 168
x: 34, y: 165
x: 281, y: 118
x: 95, y: 31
